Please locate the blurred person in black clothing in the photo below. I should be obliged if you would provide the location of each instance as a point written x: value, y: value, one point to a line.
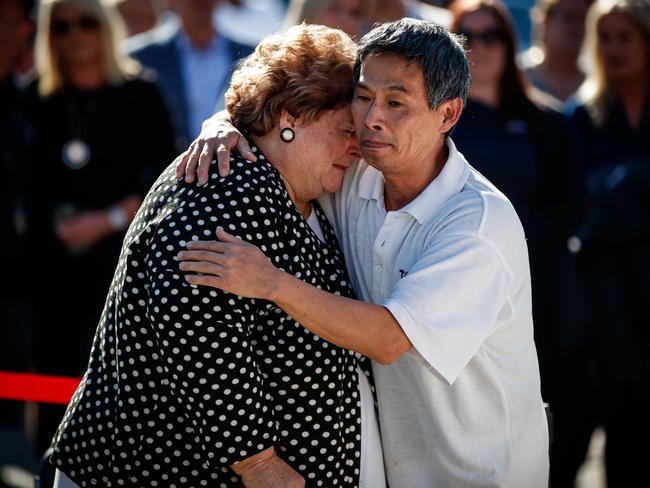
x: 613, y: 244
x: 390, y: 10
x: 351, y: 16
x: 15, y: 143
x: 138, y: 15
x: 521, y: 144
x: 193, y: 62
x: 96, y: 120
x: 552, y: 63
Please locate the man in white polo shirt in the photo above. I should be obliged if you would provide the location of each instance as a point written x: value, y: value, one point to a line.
x: 439, y: 257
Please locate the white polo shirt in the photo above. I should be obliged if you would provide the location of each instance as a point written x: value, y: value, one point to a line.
x: 463, y: 407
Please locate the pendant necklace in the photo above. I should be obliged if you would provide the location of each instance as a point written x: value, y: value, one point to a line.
x: 76, y: 152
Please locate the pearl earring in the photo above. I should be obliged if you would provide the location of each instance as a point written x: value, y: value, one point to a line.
x: 287, y: 134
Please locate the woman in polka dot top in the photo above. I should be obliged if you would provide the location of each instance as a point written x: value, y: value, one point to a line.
x: 191, y: 386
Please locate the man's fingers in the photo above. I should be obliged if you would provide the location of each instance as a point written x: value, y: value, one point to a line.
x: 180, y: 167
x: 207, y: 280
x: 223, y: 236
x: 201, y: 255
x: 244, y: 149
x: 193, y: 161
x: 223, y: 160
x: 203, y: 267
x: 205, y: 158
x: 213, y: 246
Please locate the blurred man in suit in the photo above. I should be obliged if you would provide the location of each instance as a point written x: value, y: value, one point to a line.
x: 193, y: 62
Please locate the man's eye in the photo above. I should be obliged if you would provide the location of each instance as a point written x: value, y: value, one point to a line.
x: 363, y: 98
x: 394, y: 103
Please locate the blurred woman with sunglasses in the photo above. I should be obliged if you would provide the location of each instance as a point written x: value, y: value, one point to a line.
x: 96, y: 120
x: 519, y: 143
x: 613, y: 243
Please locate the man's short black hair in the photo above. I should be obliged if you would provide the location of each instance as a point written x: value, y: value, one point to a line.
x: 440, y: 54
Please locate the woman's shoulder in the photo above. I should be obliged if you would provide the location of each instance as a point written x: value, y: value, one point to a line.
x: 247, y: 180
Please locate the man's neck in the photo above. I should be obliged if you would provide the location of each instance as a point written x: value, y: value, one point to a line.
x: 200, y: 34
x: 560, y: 64
x: 404, y: 187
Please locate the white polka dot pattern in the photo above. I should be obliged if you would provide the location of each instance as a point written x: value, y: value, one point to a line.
x: 184, y: 381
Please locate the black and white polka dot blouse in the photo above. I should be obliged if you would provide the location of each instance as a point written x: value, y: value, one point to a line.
x: 184, y: 381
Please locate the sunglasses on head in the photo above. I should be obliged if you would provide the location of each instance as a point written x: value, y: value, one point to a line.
x: 488, y: 37
x: 63, y: 27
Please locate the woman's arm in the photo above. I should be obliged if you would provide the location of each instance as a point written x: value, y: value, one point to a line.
x: 218, y: 136
x: 238, y: 267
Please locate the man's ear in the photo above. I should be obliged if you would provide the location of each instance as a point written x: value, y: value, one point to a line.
x: 451, y: 110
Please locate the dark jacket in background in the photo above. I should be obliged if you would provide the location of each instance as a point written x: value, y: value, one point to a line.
x: 130, y: 137
x: 16, y: 140
x: 615, y: 269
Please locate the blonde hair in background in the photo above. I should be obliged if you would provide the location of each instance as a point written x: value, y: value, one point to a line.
x: 596, y: 91
x: 116, y: 66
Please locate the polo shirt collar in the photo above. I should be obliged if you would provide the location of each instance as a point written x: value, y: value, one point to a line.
x: 450, y: 181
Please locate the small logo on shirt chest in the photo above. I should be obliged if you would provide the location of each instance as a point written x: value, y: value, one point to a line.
x: 402, y: 273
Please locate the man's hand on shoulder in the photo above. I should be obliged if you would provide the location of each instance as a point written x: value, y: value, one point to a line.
x: 218, y: 137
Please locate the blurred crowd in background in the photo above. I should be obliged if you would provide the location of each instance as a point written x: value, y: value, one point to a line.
x: 98, y: 97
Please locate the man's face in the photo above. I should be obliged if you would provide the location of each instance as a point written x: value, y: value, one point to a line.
x: 397, y: 130
x: 194, y: 10
x: 14, y: 30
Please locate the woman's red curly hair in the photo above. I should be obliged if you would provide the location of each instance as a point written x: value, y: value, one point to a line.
x: 305, y: 71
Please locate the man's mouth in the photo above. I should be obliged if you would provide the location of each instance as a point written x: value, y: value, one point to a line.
x: 373, y: 144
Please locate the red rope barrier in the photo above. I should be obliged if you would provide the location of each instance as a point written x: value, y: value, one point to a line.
x: 37, y: 388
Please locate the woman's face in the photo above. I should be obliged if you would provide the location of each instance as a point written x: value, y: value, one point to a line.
x: 623, y: 48
x: 75, y: 35
x: 486, y: 46
x: 323, y: 149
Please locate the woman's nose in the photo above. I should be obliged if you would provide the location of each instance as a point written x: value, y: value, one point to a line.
x: 353, y: 148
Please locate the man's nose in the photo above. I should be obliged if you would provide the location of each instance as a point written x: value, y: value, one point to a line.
x: 374, y: 117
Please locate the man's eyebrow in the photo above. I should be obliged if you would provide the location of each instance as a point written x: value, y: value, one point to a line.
x: 400, y: 88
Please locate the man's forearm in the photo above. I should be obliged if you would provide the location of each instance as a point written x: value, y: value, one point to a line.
x: 363, y: 327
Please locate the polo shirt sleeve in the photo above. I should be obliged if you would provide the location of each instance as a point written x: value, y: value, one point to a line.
x: 449, y: 302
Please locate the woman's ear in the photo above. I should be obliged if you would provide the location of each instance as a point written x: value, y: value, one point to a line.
x: 451, y: 110
x: 287, y: 120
